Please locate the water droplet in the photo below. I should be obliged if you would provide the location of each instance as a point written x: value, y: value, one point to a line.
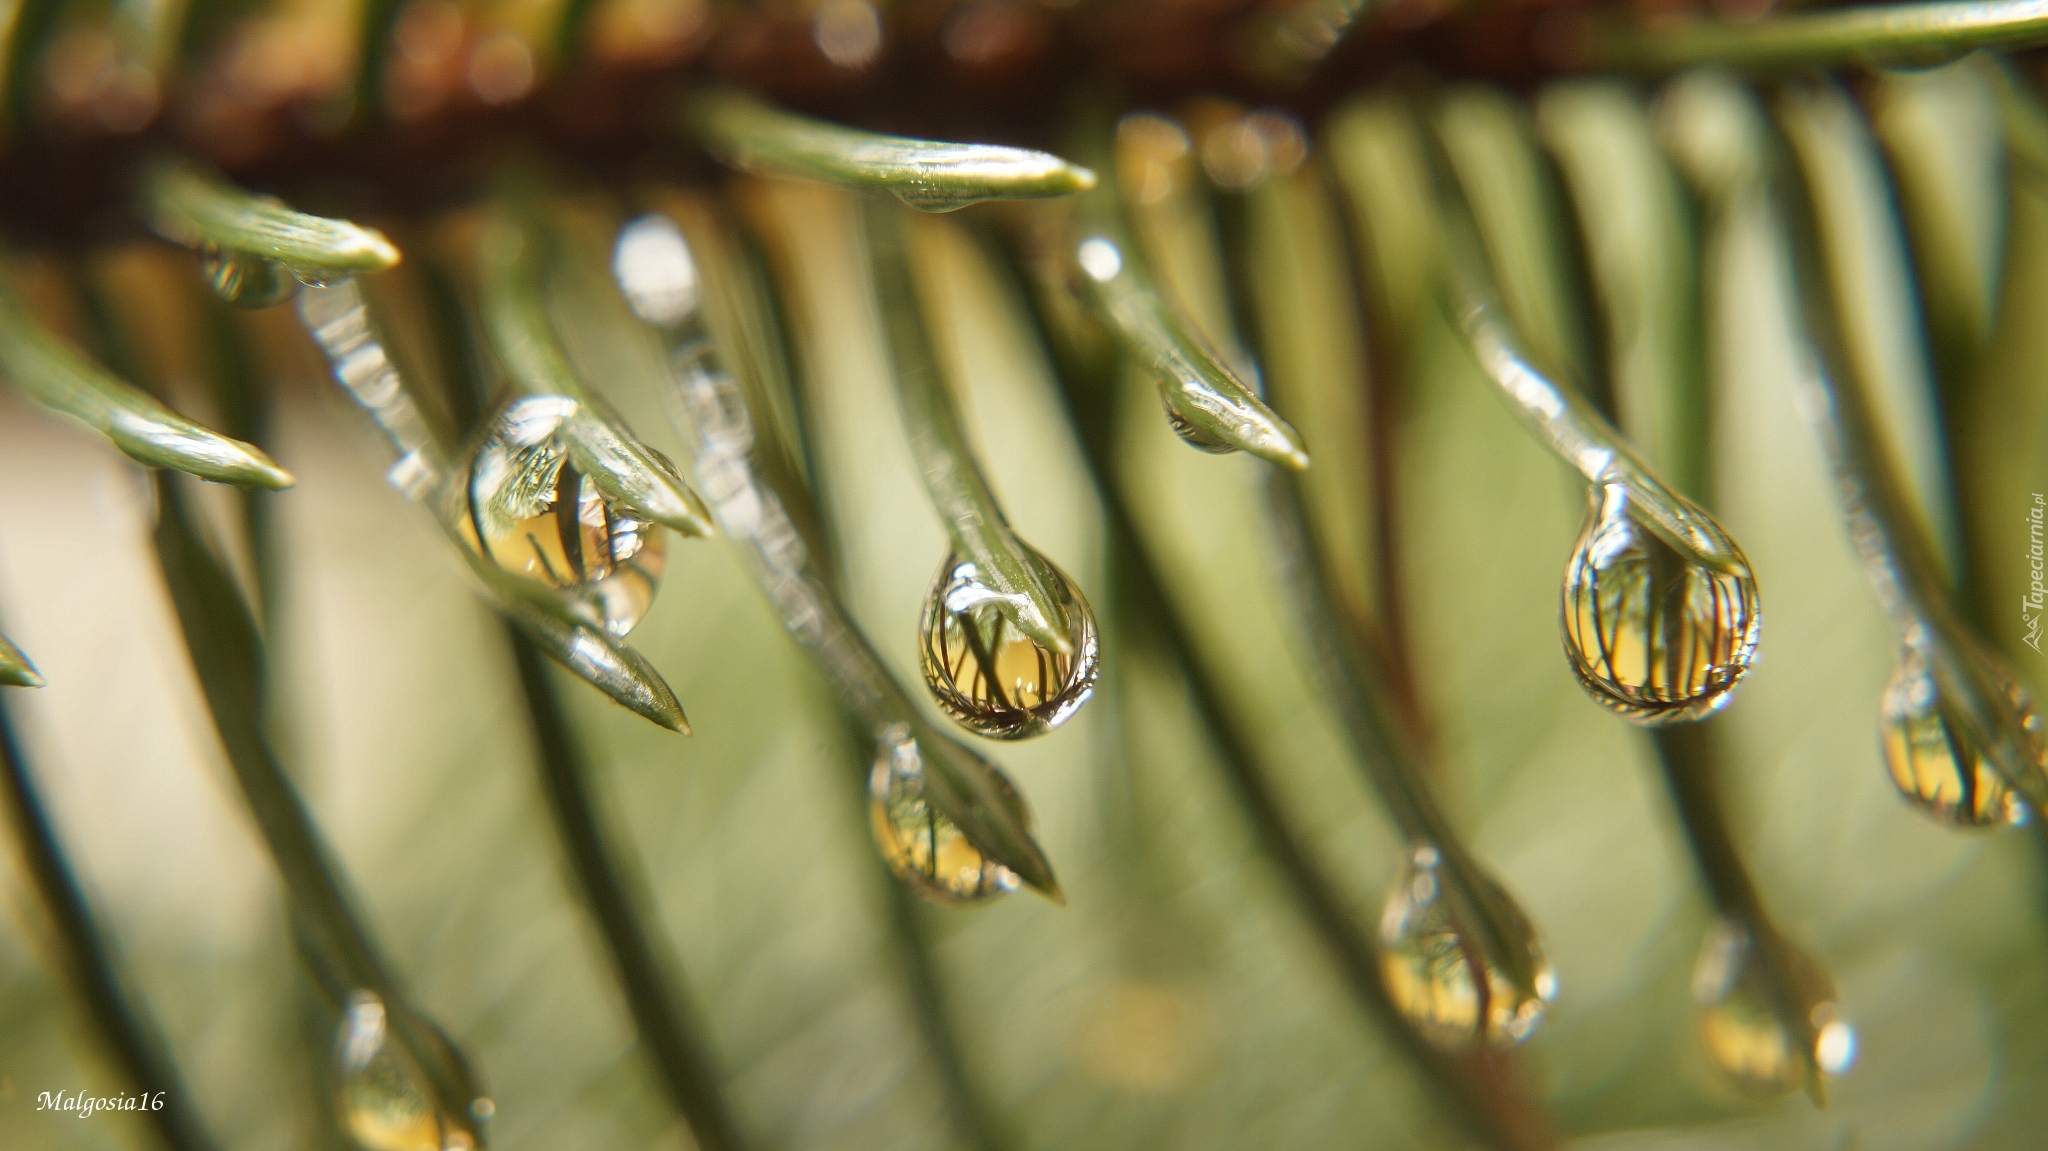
x: 1768, y: 1038
x: 1654, y: 636
x: 1443, y: 975
x: 1191, y: 433
x: 1934, y: 759
x: 539, y: 517
x: 321, y: 277
x: 990, y: 677
x: 383, y: 1098
x: 1100, y: 258
x: 925, y: 849
x: 247, y: 281
x: 1835, y: 1048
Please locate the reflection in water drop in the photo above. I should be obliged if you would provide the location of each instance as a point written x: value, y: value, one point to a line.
x: 383, y: 1101
x: 1936, y: 763
x: 988, y: 675
x: 539, y: 517
x: 1191, y: 434
x: 1652, y: 635
x: 1768, y: 1041
x: 925, y: 849
x: 1835, y: 1048
x: 247, y: 281
x: 1429, y: 957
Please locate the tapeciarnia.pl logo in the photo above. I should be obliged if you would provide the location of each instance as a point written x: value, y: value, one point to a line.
x: 86, y: 1105
x: 2037, y: 595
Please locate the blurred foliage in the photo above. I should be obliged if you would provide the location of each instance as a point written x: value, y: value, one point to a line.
x: 1179, y: 1000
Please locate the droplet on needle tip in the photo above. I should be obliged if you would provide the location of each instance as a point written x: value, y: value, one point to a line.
x: 1440, y: 971
x: 383, y: 1100
x: 1655, y: 636
x: 927, y: 851
x: 1940, y: 763
x: 532, y: 513
x: 1769, y: 1031
x: 989, y: 676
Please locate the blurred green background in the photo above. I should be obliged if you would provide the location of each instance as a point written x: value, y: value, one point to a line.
x: 1179, y: 1000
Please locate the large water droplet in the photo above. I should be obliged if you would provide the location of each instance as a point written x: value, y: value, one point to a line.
x: 1935, y: 761
x: 1654, y: 636
x: 1442, y: 973
x: 532, y: 513
x: 383, y: 1099
x: 990, y: 677
x: 247, y: 281
x: 925, y: 849
x: 1769, y: 1032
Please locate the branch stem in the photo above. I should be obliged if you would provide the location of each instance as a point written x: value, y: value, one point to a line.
x: 1907, y: 34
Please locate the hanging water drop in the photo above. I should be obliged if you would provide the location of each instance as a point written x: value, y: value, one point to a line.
x: 247, y: 281
x: 1191, y: 433
x: 382, y: 1097
x: 1937, y: 763
x: 1443, y: 975
x: 534, y: 514
x: 990, y: 677
x: 1770, y: 1032
x: 1654, y: 635
x: 925, y: 849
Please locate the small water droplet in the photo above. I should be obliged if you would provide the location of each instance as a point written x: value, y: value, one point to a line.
x: 1758, y: 1035
x: 1654, y: 636
x: 537, y: 516
x: 1440, y: 972
x: 247, y: 281
x: 383, y: 1099
x: 990, y: 677
x: 925, y: 849
x: 1935, y: 761
x: 1835, y: 1050
x: 929, y: 199
x: 1191, y: 434
x: 1100, y: 258
x: 320, y: 277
